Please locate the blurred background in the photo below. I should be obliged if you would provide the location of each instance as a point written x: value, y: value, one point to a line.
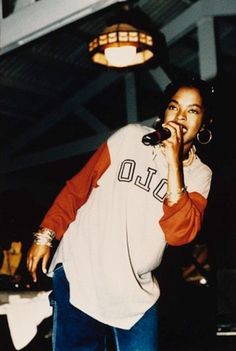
x: 57, y: 105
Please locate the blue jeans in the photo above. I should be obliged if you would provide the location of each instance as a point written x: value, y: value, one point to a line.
x: 73, y: 330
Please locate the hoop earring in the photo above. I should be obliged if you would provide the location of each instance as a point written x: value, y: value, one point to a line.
x: 204, y: 141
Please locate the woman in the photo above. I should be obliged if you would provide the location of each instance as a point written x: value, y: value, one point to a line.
x: 114, y: 219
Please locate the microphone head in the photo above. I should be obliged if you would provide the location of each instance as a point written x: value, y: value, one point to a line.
x: 147, y: 139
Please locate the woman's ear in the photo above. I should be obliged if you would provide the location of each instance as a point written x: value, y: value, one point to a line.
x: 202, y: 128
x: 210, y: 121
x: 207, y: 123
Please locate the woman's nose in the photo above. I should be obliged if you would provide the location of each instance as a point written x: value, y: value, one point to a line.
x: 181, y: 115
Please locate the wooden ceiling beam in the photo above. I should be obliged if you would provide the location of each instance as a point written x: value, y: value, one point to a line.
x: 43, y: 17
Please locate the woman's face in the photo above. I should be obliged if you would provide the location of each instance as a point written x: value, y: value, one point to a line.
x: 186, y: 109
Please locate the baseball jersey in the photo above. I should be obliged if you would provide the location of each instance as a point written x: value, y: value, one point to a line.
x: 113, y: 224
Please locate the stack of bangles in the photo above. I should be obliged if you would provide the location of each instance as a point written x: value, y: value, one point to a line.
x: 44, y: 236
x: 178, y: 192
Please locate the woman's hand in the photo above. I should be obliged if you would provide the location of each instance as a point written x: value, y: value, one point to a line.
x: 34, y: 255
x: 174, y: 156
x: 174, y: 144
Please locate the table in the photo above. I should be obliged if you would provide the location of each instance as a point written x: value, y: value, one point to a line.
x: 24, y: 310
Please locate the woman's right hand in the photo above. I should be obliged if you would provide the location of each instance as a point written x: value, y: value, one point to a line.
x: 35, y: 254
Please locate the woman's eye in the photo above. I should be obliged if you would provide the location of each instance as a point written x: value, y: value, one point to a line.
x: 196, y: 112
x: 172, y: 107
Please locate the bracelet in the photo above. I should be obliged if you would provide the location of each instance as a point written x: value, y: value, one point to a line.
x: 178, y: 192
x: 46, y: 231
x: 44, y: 236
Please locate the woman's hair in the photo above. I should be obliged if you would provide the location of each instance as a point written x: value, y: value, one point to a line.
x: 205, y: 89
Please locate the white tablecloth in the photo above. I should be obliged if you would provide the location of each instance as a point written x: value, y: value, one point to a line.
x: 24, y: 315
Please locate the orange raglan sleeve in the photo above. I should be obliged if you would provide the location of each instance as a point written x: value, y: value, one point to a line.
x: 76, y: 192
x: 181, y: 222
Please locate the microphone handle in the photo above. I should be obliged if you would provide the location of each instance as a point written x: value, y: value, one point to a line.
x: 156, y: 137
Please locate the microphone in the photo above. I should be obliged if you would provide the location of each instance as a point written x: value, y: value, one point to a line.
x: 156, y: 137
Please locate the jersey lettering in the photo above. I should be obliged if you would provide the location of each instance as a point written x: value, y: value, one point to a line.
x: 146, y: 184
x: 160, y: 191
x: 126, y: 171
x: 127, y: 174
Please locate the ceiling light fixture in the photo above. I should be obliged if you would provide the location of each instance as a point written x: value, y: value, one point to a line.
x: 123, y: 43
